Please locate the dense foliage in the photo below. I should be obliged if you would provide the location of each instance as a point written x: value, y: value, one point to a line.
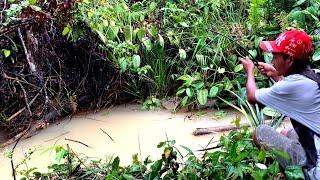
x: 235, y: 157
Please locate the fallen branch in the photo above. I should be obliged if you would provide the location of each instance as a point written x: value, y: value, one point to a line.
x: 19, y: 137
x: 209, y: 130
x: 107, y: 134
x: 21, y: 110
x: 77, y: 142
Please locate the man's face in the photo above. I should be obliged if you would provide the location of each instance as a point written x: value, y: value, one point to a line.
x: 280, y: 64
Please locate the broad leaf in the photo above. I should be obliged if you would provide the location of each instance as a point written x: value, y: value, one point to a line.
x: 66, y: 30
x: 136, y: 61
x: 253, y: 53
x: 182, y: 54
x: 298, y: 3
x: 161, y: 41
x: 221, y: 70
x: 202, y: 96
x: 6, y: 52
x: 140, y: 34
x: 213, y: 91
x: 238, y: 68
x: 115, y: 164
x: 153, y: 30
x: 316, y: 55
x: 189, y: 92
x: 184, y: 100
x: 147, y: 43
x: 123, y: 64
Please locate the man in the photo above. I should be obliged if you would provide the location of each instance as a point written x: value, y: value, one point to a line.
x: 296, y: 94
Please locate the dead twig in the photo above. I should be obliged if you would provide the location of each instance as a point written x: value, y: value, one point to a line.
x: 21, y: 110
x: 77, y: 142
x: 25, y: 98
x: 15, y: 145
x: 107, y: 134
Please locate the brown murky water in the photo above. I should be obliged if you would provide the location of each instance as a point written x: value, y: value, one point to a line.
x: 132, y: 130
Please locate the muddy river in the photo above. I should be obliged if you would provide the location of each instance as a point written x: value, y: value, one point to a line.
x: 132, y: 130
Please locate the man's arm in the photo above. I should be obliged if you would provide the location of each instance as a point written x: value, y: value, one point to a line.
x: 251, y: 87
x: 251, y: 83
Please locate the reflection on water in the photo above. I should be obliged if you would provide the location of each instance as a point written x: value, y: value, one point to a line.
x: 131, y: 131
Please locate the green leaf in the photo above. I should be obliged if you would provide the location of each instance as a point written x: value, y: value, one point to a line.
x: 316, y: 55
x: 60, y: 155
x: 161, y: 41
x: 153, y: 31
x: 102, y: 36
x: 187, y: 149
x: 227, y: 84
x: 152, y: 6
x: 257, y: 41
x: 221, y: 70
x: 189, y: 92
x: 180, y: 91
x: 147, y: 42
x: 294, y: 172
x: 253, y: 53
x: 184, y: 24
x: 238, y: 68
x: 115, y: 164
x: 281, y: 154
x: 202, y: 96
x: 161, y: 144
x: 156, y: 166
x: 128, y: 177
x: 298, y: 3
x: 6, y: 52
x: 269, y: 111
x: 182, y: 54
x: 198, y: 85
x: 32, y: 2
x: 136, y: 61
x: 267, y: 56
x: 140, y: 33
x: 213, y: 91
x: 262, y: 155
x: 128, y: 33
x: 184, y: 100
x: 66, y: 30
x: 123, y: 64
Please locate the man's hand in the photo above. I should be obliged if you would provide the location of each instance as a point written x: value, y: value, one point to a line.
x: 247, y: 64
x: 270, y: 71
x: 267, y: 69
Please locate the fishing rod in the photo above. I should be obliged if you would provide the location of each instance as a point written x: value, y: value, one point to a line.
x: 247, y: 53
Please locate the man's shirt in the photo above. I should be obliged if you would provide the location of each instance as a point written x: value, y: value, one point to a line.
x: 297, y: 97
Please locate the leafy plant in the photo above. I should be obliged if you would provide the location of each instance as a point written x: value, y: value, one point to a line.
x: 235, y: 157
x: 254, y: 115
x: 151, y: 103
